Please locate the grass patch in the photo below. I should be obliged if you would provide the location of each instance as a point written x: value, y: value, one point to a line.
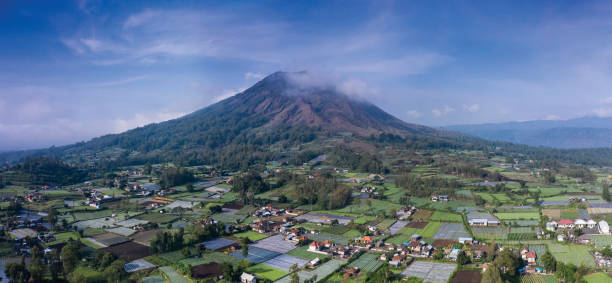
x: 267, y: 272
x: 446, y: 217
x: 252, y: 235
x: 302, y: 252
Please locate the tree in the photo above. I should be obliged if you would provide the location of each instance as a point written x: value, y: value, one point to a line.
x: 189, y: 187
x: 244, y: 244
x: 462, y: 258
x: 69, y: 257
x: 148, y: 168
x: 36, y: 267
x: 17, y: 272
x: 116, y: 271
x: 295, y: 278
x: 493, y: 274
x: 549, y: 262
x: 52, y: 216
x: 55, y: 265
x: 605, y: 191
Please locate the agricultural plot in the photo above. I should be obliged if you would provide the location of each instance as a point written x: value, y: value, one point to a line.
x: 256, y: 255
x: 109, y: 239
x: 385, y: 224
x: 451, y: 231
x: 364, y: 219
x: 467, y: 276
x: 540, y: 250
x: 139, y: 264
x: 157, y: 218
x: 22, y: 233
x: 490, y: 233
x: 321, y: 272
x: 446, y: 217
x: 430, y: 271
x: 583, y: 214
x: 422, y: 215
x: 275, y: 243
x: 524, y: 208
x: 95, y: 223
x: 367, y: 262
x: 284, y: 262
x: 554, y: 213
x: 129, y: 251
x: 522, y: 230
x: 599, y: 277
x: 335, y: 229
x: 352, y: 234
x: 397, y: 226
x: 252, y: 235
x: 521, y: 223
x: 601, y: 241
x: 569, y: 213
x: 172, y: 275
x: 210, y: 257
x: 267, y: 271
x: 228, y: 218
x: 577, y: 255
x: 324, y: 218
x: 521, y: 236
x: 330, y: 237
x: 217, y: 244
x: 518, y: 215
x: 302, y: 252
x: 132, y: 222
x: 122, y: 231
x: 538, y: 279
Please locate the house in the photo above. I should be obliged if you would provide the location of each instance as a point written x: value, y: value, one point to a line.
x: 565, y: 223
x: 316, y: 261
x: 551, y: 226
x: 247, y: 278
x: 560, y: 237
x: 579, y: 223
x: 591, y: 223
x: 443, y: 198
x: 314, y: 246
x: 603, y: 227
x: 366, y: 240
x: 531, y: 257
x: 405, y: 212
x: 464, y: 240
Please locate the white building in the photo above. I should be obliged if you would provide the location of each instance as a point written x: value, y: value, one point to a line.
x: 604, y: 228
x: 579, y: 223
x: 591, y: 223
x: 247, y: 278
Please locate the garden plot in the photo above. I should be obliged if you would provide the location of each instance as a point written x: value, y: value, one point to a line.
x: 215, y: 189
x: 173, y: 276
x: 601, y: 240
x: 122, y: 231
x: 275, y: 243
x: 218, y: 243
x: 430, y: 271
x: 228, y: 218
x: 577, y: 255
x: 522, y: 223
x: 284, y: 262
x: 554, y: 213
x: 129, y: 251
x: 132, y: 222
x: 451, y: 231
x: 367, y: 262
x: 491, y: 233
x: 256, y: 255
x: 322, y: 272
x: 95, y: 223
x: 325, y: 218
x: 180, y: 203
x: 397, y: 226
x: 330, y: 237
x: 22, y: 233
x: 109, y: 239
x: 139, y: 264
x: 583, y: 214
x: 472, y: 215
x: 518, y: 215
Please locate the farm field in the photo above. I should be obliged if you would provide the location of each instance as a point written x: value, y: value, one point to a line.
x: 577, y: 255
x: 302, y: 252
x: 539, y: 279
x: 598, y: 277
x: 331, y: 237
x: 601, y: 240
x: 490, y: 233
x: 467, y: 276
x: 451, y: 231
x: 172, y: 275
x: 321, y: 272
x: 367, y: 262
x: 446, y: 217
x: 252, y: 235
x: 210, y: 257
x: 267, y: 272
x: 518, y: 215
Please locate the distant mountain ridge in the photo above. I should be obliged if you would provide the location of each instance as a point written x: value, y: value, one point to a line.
x: 585, y: 132
x: 280, y: 111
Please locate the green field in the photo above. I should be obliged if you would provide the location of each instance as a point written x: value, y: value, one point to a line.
x: 577, y: 255
x: 210, y: 257
x: 517, y: 215
x: 252, y: 235
x: 598, y: 277
x: 385, y: 224
x: 601, y: 240
x: 172, y: 275
x: 429, y: 230
x: 446, y: 217
x: 367, y: 262
x: 364, y: 219
x: 302, y: 252
x: 267, y: 272
x: 157, y: 218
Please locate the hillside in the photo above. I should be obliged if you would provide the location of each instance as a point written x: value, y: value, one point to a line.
x: 585, y: 132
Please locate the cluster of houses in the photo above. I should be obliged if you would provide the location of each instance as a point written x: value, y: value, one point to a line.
x: 267, y: 211
x: 94, y: 197
x: 602, y: 226
x: 439, y: 198
x: 405, y: 212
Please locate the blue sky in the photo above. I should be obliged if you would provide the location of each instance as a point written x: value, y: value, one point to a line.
x: 73, y: 70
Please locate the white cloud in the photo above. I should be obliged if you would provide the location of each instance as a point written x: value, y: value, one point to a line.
x: 227, y: 94
x: 254, y: 76
x: 442, y: 112
x: 471, y: 108
x: 552, y: 117
x: 141, y: 119
x: 413, y: 113
x: 603, y: 112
